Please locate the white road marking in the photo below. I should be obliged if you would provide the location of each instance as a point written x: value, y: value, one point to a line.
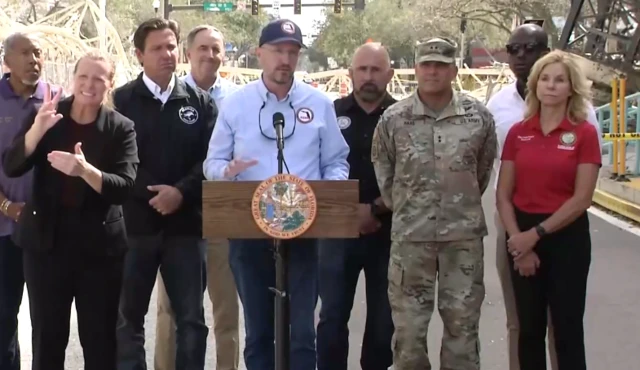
x: 623, y: 225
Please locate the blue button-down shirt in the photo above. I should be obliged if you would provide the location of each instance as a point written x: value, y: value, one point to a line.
x: 314, y: 147
x: 220, y: 89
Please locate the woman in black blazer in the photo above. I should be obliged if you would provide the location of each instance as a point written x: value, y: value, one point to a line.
x: 84, y: 157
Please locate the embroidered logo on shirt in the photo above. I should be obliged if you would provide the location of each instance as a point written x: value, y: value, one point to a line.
x: 305, y: 115
x: 188, y: 115
x: 344, y: 122
x: 525, y: 138
x: 568, y: 138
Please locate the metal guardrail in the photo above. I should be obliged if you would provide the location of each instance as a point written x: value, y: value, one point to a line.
x: 624, y: 126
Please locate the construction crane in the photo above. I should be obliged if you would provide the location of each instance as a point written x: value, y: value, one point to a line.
x: 606, y: 36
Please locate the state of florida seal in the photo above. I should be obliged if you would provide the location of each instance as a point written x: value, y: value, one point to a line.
x: 284, y: 206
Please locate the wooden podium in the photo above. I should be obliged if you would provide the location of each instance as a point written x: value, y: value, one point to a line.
x: 226, y: 210
x: 281, y: 207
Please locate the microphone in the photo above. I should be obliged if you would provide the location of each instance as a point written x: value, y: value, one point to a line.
x: 278, y: 125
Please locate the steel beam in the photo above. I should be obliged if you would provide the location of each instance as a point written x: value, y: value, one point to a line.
x: 605, y: 32
x: 569, y: 26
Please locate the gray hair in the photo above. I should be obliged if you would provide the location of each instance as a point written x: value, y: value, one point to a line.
x: 11, y: 40
x: 197, y: 29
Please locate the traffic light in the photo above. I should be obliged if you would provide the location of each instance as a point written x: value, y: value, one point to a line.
x: 297, y: 6
x: 358, y: 4
x: 255, y: 7
x: 337, y: 6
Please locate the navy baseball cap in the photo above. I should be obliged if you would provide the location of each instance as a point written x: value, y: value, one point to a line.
x: 281, y: 30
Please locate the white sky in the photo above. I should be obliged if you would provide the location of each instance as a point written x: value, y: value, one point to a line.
x: 306, y: 21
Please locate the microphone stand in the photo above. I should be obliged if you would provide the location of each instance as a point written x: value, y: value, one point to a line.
x: 282, y: 314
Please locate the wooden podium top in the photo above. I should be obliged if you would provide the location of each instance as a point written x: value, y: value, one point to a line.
x: 226, y: 208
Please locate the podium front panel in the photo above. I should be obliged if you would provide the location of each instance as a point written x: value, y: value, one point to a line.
x: 226, y: 210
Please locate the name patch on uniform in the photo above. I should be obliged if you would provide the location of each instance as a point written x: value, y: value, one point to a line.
x: 188, y: 115
x: 344, y: 122
x: 304, y: 115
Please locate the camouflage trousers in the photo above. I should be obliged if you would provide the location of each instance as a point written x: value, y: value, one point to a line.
x: 458, y: 268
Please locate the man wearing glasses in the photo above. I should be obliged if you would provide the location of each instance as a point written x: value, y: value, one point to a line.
x: 243, y: 148
x: 527, y: 44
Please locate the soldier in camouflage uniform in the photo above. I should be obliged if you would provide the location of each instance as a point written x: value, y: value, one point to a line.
x: 433, y: 153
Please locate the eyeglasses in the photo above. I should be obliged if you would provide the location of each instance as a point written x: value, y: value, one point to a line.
x: 530, y: 47
x: 295, y: 122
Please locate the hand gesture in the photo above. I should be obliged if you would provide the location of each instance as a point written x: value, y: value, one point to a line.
x: 528, y: 264
x: 238, y: 165
x: 520, y: 244
x: 168, y: 200
x: 71, y: 164
x: 47, y: 114
x: 368, y: 222
x: 14, y: 210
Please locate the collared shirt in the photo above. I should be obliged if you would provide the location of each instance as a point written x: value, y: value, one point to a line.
x: 357, y: 128
x: 314, y: 148
x: 543, y: 183
x: 14, y: 109
x: 220, y: 89
x: 508, y: 108
x: 156, y: 90
x: 432, y: 169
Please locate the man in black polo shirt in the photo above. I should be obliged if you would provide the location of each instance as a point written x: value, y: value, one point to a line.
x: 173, y: 123
x: 341, y: 261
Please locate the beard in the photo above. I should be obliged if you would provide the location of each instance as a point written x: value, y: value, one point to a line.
x: 29, y: 82
x: 282, y: 76
x: 369, y: 92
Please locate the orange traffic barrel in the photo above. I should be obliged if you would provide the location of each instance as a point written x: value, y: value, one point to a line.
x: 344, y: 89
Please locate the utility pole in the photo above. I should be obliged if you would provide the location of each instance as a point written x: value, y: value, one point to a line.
x: 102, y: 32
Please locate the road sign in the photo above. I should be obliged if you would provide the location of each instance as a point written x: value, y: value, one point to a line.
x: 214, y: 6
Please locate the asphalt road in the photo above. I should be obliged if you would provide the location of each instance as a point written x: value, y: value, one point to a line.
x: 612, y: 319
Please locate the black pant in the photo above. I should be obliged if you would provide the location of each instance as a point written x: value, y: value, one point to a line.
x: 182, y: 263
x: 54, y: 278
x: 11, y: 290
x: 560, y: 284
x: 340, y: 264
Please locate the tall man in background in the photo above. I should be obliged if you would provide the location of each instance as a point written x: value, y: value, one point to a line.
x: 243, y: 148
x: 342, y: 260
x: 205, y: 51
x: 21, y: 91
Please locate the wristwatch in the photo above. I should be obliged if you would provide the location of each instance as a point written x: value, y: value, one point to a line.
x: 540, y: 231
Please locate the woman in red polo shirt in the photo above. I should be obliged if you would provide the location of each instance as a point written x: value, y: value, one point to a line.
x: 549, y: 170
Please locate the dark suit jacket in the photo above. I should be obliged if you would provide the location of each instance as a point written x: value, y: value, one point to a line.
x: 112, y: 150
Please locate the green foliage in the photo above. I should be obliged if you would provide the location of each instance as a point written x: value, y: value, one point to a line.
x: 280, y: 188
x: 399, y: 24
x: 293, y: 222
x: 341, y: 34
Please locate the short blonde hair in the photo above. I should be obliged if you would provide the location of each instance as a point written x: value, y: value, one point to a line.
x: 578, y: 103
x: 98, y: 56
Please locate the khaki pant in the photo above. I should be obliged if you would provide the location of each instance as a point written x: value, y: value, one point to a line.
x: 502, y: 263
x: 224, y: 299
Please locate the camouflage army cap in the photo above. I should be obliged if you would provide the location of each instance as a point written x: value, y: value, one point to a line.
x: 437, y: 49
